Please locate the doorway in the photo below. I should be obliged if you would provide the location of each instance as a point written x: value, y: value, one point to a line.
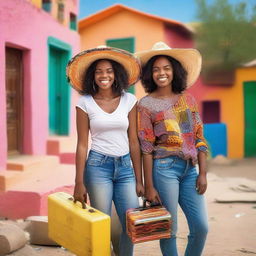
x: 14, y: 100
x: 59, y: 91
x: 250, y: 119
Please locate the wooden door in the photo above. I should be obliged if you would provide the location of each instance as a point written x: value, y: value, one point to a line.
x: 14, y: 98
x: 250, y: 119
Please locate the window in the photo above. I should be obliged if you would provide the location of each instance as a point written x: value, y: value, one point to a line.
x: 72, y: 20
x: 211, y: 112
x: 122, y: 43
x: 60, y: 15
x: 47, y: 5
x: 126, y: 44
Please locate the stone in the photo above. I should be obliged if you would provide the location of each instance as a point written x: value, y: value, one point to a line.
x: 38, y: 230
x: 11, y: 238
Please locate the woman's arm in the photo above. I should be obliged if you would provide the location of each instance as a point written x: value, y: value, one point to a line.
x: 201, y: 183
x: 147, y: 140
x: 150, y: 192
x: 202, y: 150
x: 82, y: 123
x: 135, y: 150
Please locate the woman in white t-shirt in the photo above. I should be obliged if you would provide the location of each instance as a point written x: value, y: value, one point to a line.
x: 102, y: 75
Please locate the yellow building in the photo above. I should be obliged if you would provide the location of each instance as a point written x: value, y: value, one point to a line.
x: 65, y: 11
x: 236, y: 107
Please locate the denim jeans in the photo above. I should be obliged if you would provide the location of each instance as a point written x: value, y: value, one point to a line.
x: 110, y: 178
x: 175, y: 181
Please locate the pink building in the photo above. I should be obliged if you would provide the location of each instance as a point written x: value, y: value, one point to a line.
x: 36, y: 48
x: 37, y: 39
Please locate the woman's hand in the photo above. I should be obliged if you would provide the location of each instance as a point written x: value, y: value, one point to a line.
x: 152, y: 195
x: 80, y: 194
x: 201, y: 183
x: 139, y: 189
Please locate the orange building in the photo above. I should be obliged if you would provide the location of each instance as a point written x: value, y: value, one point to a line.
x: 132, y: 30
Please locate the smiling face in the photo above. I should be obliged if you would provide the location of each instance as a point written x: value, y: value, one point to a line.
x: 104, y: 75
x: 162, y: 72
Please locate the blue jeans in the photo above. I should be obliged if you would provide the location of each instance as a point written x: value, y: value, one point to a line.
x: 175, y: 181
x: 110, y: 178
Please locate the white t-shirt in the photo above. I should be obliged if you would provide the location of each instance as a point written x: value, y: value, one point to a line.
x: 108, y: 131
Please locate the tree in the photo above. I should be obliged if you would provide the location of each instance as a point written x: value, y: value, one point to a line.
x: 226, y: 35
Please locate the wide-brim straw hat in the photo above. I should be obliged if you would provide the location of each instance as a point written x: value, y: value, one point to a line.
x: 79, y: 64
x: 190, y: 59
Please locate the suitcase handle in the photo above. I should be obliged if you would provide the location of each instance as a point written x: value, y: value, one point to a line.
x: 144, y: 206
x: 83, y: 203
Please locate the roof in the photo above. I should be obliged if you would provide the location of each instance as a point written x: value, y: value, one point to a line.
x: 92, y: 19
x: 250, y: 64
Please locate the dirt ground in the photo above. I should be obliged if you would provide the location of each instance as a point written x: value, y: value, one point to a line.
x: 232, y: 225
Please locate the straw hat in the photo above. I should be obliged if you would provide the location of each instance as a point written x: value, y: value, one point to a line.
x: 190, y: 59
x: 79, y: 64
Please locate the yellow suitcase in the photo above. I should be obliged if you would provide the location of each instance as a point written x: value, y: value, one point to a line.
x: 84, y: 232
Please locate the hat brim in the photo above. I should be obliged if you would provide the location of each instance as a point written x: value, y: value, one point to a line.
x: 79, y: 64
x: 190, y: 59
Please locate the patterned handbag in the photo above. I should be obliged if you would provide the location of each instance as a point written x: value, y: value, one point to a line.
x: 148, y: 223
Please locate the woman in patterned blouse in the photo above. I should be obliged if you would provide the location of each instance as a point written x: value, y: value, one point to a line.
x: 172, y: 142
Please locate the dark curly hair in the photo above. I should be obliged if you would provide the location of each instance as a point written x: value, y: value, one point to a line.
x: 179, y: 75
x: 120, y: 84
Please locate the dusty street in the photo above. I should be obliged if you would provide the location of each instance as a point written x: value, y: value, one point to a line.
x: 232, y: 225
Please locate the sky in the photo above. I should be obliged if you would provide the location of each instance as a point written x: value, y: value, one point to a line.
x: 180, y: 10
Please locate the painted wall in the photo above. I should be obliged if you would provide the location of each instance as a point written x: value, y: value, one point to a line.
x: 32, y: 26
x: 232, y: 109
x: 177, y: 38
x: 71, y: 6
x: 119, y: 25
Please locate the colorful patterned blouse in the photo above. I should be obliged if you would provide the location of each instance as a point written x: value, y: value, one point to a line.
x: 170, y: 127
